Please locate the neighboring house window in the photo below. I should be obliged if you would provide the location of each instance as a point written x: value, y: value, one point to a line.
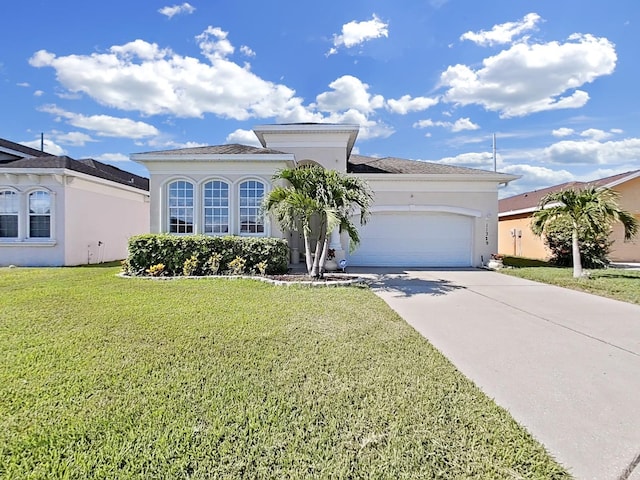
x: 180, y: 207
x: 251, y: 194
x: 8, y: 214
x: 216, y: 207
x: 39, y: 214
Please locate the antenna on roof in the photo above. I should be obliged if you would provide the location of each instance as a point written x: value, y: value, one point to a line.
x: 495, y: 162
x: 42, y: 141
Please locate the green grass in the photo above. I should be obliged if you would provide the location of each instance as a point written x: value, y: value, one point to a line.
x: 104, y: 377
x: 612, y: 282
x: 520, y: 262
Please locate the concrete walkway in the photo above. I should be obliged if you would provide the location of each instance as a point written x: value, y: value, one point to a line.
x: 565, y: 364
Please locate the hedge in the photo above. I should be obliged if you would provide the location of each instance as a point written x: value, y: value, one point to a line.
x: 172, y: 251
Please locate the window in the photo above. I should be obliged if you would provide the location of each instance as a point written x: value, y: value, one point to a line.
x: 8, y: 214
x: 216, y: 207
x: 251, y: 194
x: 39, y: 214
x: 181, y: 207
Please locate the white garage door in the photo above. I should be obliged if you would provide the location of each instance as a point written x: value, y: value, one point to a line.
x: 415, y: 239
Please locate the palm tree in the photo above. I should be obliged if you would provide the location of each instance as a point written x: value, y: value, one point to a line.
x: 590, y: 209
x: 319, y: 201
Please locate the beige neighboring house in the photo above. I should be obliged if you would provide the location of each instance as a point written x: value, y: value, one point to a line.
x: 57, y: 211
x: 423, y: 215
x: 516, y: 238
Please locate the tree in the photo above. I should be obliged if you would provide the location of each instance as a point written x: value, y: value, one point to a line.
x: 590, y: 210
x: 319, y: 201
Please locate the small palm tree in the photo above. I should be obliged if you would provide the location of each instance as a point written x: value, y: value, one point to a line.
x: 326, y: 196
x: 591, y: 209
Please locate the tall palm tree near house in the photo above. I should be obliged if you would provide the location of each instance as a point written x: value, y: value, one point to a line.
x: 318, y: 201
x: 590, y: 209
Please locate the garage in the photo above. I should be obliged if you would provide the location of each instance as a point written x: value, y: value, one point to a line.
x: 415, y: 239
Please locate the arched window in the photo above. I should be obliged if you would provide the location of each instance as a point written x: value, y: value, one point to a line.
x: 216, y: 207
x: 39, y: 214
x: 251, y: 195
x: 180, y: 207
x: 8, y: 214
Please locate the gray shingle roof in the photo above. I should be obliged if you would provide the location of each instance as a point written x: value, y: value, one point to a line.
x: 362, y: 164
x: 27, y: 151
x: 230, y: 149
x: 87, y: 166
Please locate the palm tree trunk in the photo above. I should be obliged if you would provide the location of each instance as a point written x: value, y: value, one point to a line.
x: 307, y: 252
x: 575, y: 250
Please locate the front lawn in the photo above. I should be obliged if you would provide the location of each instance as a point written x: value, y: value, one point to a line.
x: 103, y: 377
x: 611, y: 282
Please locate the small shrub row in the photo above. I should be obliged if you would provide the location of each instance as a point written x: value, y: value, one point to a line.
x: 197, y: 255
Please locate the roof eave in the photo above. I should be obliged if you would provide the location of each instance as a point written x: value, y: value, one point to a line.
x: 211, y: 157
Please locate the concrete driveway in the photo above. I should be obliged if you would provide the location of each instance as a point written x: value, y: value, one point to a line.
x: 565, y: 364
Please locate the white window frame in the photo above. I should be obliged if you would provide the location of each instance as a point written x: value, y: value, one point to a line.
x: 29, y: 214
x: 257, y: 212
x: 16, y: 196
x: 192, y: 207
x: 224, y: 208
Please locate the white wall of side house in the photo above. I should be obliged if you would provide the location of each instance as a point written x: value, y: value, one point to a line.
x: 460, y: 195
x: 100, y: 218
x: 25, y: 251
x: 198, y: 172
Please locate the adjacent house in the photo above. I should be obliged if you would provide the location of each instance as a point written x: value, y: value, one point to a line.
x: 424, y: 214
x: 514, y: 232
x: 57, y: 211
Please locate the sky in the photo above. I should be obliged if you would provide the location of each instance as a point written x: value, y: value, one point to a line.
x: 556, y: 81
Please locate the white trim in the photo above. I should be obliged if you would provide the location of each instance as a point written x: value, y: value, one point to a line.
x: 438, y: 177
x: 469, y: 212
x: 527, y: 210
x: 622, y: 180
x: 265, y: 224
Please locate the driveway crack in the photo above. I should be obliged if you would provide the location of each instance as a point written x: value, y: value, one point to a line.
x: 629, y: 470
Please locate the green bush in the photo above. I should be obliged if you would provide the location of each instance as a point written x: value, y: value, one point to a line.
x: 173, y: 251
x: 594, y: 247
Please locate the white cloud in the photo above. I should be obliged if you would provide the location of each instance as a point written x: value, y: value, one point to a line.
x: 247, y: 51
x: 589, y: 152
x: 616, y: 131
x: 595, y: 134
x: 457, y: 126
x: 104, y: 125
x: 562, y: 132
x: 244, y: 137
x: 532, y: 78
x: 23, y: 84
x: 481, y: 160
x: 76, y: 139
x: 176, y: 9
x: 49, y: 146
x: 504, y: 32
x: 356, y: 33
x: 349, y: 93
x: 406, y: 104
x: 140, y: 76
x: 533, y: 178
x: 38, y: 93
x: 113, y: 157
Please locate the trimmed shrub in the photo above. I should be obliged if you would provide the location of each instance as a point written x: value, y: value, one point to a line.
x: 202, y: 253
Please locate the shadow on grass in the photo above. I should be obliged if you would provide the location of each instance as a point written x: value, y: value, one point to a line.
x: 403, y: 286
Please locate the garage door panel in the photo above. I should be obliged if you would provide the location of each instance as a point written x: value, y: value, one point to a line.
x: 423, y: 239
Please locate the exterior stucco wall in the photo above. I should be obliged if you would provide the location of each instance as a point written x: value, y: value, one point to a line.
x: 100, y: 220
x: 199, y: 173
x: 629, y: 251
x: 522, y: 243
x: 48, y: 252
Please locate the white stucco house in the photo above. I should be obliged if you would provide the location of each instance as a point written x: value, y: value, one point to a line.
x: 423, y: 215
x: 57, y: 211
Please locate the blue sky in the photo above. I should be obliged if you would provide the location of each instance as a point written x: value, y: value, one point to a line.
x: 555, y: 81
